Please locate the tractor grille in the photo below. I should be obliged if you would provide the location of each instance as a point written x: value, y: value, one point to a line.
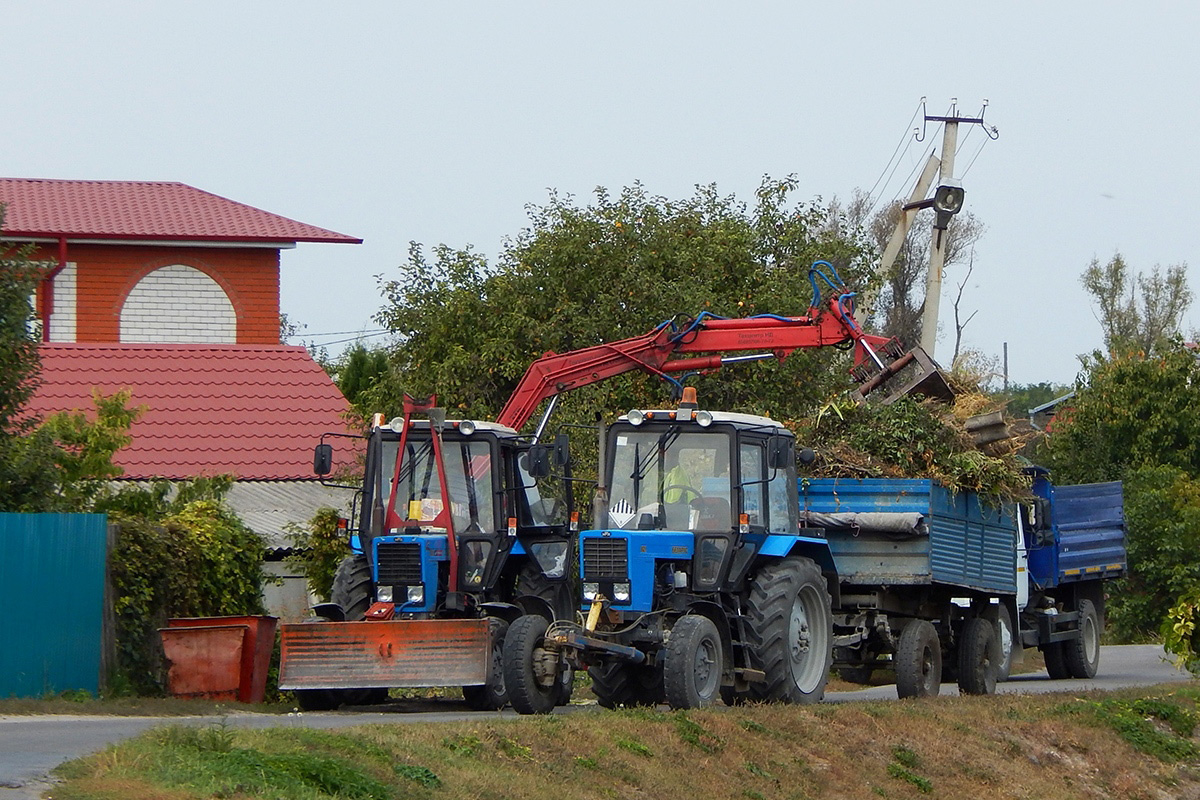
x: 605, y: 560
x: 399, y: 563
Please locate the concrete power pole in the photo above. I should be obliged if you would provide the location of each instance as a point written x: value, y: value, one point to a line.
x: 937, y: 250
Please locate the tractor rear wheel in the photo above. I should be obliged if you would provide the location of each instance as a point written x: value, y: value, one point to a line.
x: 531, y: 673
x: 918, y: 661
x: 557, y: 594
x: 491, y: 696
x: 977, y: 654
x: 790, y: 631
x: 693, y: 664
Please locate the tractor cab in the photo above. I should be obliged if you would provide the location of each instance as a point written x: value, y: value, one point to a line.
x: 692, y: 496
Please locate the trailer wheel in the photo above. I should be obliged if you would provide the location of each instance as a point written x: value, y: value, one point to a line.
x: 694, y: 663
x: 790, y: 630
x: 918, y: 661
x: 1082, y: 655
x: 491, y: 696
x: 619, y: 684
x: 533, y: 582
x: 977, y: 654
x: 352, y: 591
x: 1006, y: 642
x: 531, y: 672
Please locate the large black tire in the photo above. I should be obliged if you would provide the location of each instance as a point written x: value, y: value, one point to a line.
x: 1082, y: 655
x: 790, y: 632
x: 619, y: 684
x: 693, y: 664
x: 1056, y: 661
x: 918, y: 661
x: 352, y: 590
x: 491, y: 696
x: 977, y: 653
x: 532, y: 689
x: 557, y: 594
x: 1006, y: 639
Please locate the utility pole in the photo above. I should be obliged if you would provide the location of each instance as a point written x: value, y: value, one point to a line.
x: 937, y: 249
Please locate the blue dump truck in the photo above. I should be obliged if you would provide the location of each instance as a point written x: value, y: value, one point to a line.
x: 714, y: 570
x: 938, y: 585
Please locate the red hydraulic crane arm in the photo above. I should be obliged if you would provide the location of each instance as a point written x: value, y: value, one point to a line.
x: 655, y: 352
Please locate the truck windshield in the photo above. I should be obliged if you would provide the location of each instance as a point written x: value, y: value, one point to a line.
x: 468, y: 480
x: 666, y: 479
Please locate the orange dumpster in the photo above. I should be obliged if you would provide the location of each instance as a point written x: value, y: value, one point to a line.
x: 203, y: 658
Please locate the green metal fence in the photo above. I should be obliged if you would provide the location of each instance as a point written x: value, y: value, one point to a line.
x: 52, y: 575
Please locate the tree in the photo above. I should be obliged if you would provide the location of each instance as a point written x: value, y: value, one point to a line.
x: 1130, y: 411
x: 1138, y: 312
x: 581, y: 276
x: 359, y: 369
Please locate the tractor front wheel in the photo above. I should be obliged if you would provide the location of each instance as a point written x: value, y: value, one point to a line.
x: 491, y: 696
x: 531, y: 672
x: 694, y: 663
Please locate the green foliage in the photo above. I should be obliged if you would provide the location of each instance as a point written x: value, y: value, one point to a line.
x: 357, y: 371
x: 1129, y: 411
x: 695, y: 734
x: 635, y: 747
x: 19, y: 363
x: 195, y: 560
x: 319, y: 547
x: 924, y: 785
x: 1020, y: 397
x: 1162, y: 515
x: 1179, y: 631
x: 417, y: 774
x: 1139, y: 313
x: 582, y: 276
x: 907, y: 438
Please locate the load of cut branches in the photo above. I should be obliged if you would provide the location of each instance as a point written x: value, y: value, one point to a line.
x: 966, y: 445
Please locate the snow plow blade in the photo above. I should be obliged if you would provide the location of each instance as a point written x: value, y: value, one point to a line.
x: 395, y: 654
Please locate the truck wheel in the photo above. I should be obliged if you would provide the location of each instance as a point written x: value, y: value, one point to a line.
x: 918, y: 661
x: 1006, y: 641
x: 557, y: 594
x: 491, y: 696
x: 1082, y: 655
x: 694, y: 662
x: 619, y: 684
x: 530, y: 671
x: 1056, y: 661
x: 790, y: 630
x: 352, y: 591
x: 977, y: 652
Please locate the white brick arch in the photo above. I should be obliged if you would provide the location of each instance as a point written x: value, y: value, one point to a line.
x: 178, y: 303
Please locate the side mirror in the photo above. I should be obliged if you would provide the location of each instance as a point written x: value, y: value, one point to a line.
x: 562, y: 450
x: 323, y: 459
x: 780, y: 454
x: 539, y: 461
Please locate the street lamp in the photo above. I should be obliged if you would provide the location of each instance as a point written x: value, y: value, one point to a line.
x: 947, y: 201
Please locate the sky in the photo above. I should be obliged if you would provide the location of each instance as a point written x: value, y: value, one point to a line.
x: 440, y: 122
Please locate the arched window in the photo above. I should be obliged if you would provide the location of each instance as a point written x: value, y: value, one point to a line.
x: 178, y: 304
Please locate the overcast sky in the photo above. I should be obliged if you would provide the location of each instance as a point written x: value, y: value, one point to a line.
x: 439, y: 122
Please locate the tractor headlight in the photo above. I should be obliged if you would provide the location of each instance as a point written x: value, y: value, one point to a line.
x: 466, y: 427
x: 621, y: 592
x: 704, y: 418
x: 591, y: 591
x: 383, y: 594
x: 635, y: 417
x: 416, y: 595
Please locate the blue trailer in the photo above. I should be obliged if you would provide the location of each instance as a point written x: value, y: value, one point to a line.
x: 942, y: 585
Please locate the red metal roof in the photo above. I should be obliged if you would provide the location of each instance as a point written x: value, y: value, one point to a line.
x: 253, y: 411
x: 142, y: 210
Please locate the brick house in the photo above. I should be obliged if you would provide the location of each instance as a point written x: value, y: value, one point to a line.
x: 173, y: 293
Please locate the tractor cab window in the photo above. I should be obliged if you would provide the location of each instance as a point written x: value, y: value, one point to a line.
x: 469, y: 482
x: 539, y: 505
x: 666, y: 479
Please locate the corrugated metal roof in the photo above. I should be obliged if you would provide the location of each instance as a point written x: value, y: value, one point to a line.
x: 138, y: 210
x: 251, y: 411
x: 270, y: 507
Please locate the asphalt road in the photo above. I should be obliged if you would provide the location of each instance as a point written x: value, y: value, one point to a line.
x: 30, y: 746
